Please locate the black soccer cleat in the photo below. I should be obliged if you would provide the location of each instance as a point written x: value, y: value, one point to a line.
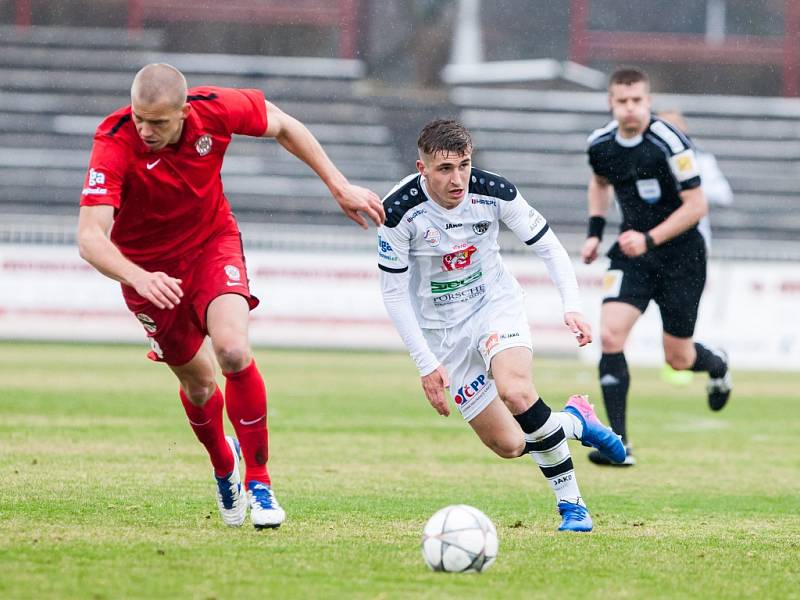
x: 719, y: 388
x: 598, y: 458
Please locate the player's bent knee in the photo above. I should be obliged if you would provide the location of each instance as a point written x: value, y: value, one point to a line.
x: 198, y: 392
x: 233, y: 357
x: 612, y: 341
x: 517, y: 400
x: 506, y: 448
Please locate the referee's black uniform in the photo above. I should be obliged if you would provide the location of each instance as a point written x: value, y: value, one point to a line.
x: 648, y: 174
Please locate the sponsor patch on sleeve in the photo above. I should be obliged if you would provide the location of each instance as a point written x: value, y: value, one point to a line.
x: 684, y: 165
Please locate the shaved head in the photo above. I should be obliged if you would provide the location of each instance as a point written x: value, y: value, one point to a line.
x: 159, y: 83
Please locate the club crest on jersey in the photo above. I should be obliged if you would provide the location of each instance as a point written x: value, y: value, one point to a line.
x: 147, y: 322
x: 470, y: 390
x: 481, y: 227
x: 458, y: 260
x: 432, y: 236
x: 203, y: 144
x: 232, y: 273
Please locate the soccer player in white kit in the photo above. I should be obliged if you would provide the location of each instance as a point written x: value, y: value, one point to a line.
x: 461, y: 314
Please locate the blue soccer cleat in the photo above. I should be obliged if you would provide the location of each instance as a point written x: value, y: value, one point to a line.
x: 574, y: 517
x: 231, y: 499
x: 595, y: 434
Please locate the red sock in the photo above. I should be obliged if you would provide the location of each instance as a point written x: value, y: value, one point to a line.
x: 206, y: 421
x: 246, y: 402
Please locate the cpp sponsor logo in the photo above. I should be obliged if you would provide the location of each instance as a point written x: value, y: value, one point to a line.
x: 440, y: 287
x: 468, y: 391
x: 458, y: 260
x: 459, y: 296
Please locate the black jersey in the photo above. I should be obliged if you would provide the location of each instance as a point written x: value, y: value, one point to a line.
x: 648, y: 172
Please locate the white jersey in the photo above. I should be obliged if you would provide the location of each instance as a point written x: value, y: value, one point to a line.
x: 446, y: 262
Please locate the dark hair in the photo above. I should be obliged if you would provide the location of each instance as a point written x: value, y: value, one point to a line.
x: 444, y: 135
x: 627, y: 76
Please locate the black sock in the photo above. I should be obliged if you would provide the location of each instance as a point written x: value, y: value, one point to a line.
x: 708, y: 361
x: 614, y: 381
x: 535, y: 417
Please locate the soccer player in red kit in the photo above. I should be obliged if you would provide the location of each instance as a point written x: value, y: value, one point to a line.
x: 154, y: 217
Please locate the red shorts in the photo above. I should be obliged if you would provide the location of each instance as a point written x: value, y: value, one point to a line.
x: 177, y: 334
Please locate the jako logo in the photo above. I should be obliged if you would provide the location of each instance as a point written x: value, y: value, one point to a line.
x: 469, y: 391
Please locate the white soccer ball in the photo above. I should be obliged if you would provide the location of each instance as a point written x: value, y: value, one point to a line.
x: 459, y: 539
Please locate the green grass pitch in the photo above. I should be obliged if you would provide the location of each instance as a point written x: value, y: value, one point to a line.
x: 106, y: 494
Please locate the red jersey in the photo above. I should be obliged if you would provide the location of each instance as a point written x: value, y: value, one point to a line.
x: 169, y: 202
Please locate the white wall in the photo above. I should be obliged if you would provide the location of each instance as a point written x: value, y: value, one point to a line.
x: 330, y: 299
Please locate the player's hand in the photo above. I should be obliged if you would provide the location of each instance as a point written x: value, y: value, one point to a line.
x: 579, y: 327
x: 354, y: 200
x: 433, y: 385
x: 632, y: 243
x: 159, y: 288
x: 589, y: 250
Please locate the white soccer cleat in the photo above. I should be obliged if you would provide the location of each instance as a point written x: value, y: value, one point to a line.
x: 265, y: 512
x: 231, y: 498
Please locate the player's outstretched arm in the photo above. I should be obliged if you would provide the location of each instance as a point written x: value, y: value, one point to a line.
x: 297, y: 139
x: 94, y: 223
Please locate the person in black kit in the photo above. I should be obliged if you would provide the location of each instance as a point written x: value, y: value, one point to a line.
x: 659, y: 254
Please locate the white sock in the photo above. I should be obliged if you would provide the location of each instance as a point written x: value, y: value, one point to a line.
x: 573, y: 428
x: 548, y: 448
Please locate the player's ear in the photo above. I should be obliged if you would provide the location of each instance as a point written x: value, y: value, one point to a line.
x: 185, y: 110
x: 420, y: 167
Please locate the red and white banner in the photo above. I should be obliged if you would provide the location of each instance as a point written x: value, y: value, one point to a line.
x: 332, y: 300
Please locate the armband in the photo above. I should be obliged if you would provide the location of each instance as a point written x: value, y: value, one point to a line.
x: 648, y: 240
x: 596, y: 226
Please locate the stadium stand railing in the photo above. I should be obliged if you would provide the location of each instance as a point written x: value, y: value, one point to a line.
x: 56, y: 85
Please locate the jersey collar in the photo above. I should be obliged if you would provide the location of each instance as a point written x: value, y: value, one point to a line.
x: 628, y: 142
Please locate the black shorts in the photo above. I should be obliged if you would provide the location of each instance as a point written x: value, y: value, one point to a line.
x: 674, y: 276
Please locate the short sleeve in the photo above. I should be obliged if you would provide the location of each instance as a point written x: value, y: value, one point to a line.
x: 104, y: 179
x: 685, y: 169
x: 245, y: 111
